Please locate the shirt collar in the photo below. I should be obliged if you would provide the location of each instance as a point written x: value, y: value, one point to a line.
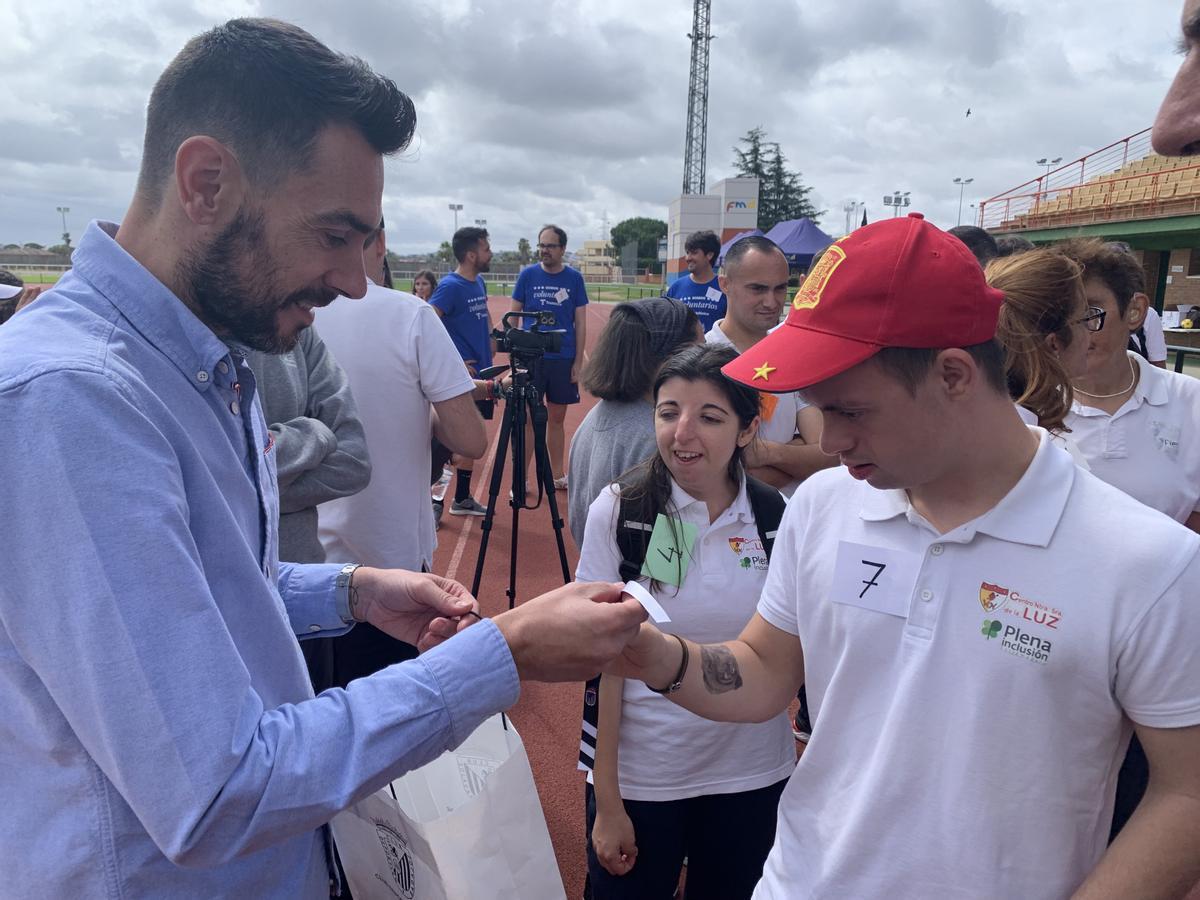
x: 1151, y: 388
x: 1027, y: 514
x: 149, y: 306
x: 739, y: 509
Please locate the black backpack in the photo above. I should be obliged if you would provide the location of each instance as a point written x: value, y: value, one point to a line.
x: 634, y: 526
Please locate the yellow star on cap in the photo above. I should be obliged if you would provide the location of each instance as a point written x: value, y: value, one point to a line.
x: 763, y: 372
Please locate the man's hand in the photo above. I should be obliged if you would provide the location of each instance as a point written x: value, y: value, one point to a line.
x: 31, y: 293
x: 614, y: 842
x: 571, y: 633
x: 414, y: 607
x: 651, y: 657
x: 575, y: 371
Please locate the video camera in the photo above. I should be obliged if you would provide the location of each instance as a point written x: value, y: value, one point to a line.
x: 535, y: 342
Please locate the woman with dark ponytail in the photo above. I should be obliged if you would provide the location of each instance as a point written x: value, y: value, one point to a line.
x: 668, y: 784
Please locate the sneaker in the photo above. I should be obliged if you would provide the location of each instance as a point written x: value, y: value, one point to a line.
x: 468, y: 507
x: 438, y: 509
x: 560, y: 484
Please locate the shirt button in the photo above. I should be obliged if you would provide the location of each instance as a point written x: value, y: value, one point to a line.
x: 926, y: 595
x: 936, y: 549
x: 314, y: 628
x: 202, y: 377
x: 235, y: 408
x: 222, y: 367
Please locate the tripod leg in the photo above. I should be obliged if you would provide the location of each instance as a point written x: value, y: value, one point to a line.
x: 493, y: 493
x: 545, y: 475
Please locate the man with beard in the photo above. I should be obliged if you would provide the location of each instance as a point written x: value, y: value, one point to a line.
x: 700, y: 289
x: 461, y: 300
x: 160, y: 738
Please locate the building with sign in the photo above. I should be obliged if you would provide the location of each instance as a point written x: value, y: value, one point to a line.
x: 730, y: 208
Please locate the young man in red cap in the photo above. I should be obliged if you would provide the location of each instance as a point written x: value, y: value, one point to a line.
x: 978, y: 639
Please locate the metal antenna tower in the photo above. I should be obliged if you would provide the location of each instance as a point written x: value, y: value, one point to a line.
x: 696, y: 147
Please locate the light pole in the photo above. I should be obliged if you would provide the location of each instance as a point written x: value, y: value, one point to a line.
x: 1049, y: 164
x: 897, y: 201
x: 481, y: 223
x: 454, y: 208
x: 962, y: 186
x: 62, y: 211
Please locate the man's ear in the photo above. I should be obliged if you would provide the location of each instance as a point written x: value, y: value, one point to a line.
x: 956, y: 371
x: 209, y: 180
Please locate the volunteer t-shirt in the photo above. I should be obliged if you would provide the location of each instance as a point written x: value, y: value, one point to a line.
x: 560, y: 293
x: 465, y: 314
x: 399, y: 360
x: 1150, y: 447
x: 666, y: 752
x: 705, y: 299
x: 972, y: 687
x: 779, y: 424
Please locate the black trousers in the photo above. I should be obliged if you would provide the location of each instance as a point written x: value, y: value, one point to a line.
x: 1131, y: 785
x: 725, y: 837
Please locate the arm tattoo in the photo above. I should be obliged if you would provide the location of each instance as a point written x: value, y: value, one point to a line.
x: 720, y: 668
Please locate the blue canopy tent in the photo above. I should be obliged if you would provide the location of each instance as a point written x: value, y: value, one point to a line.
x: 800, y: 240
x: 757, y: 232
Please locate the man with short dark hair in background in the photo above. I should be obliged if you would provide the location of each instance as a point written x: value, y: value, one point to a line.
x: 700, y: 289
x: 981, y: 244
x: 552, y: 286
x: 460, y: 299
x: 160, y: 737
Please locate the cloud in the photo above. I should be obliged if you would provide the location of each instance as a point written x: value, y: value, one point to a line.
x: 573, y: 110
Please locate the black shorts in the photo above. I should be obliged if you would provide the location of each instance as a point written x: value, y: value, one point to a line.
x: 554, y: 381
x: 487, y: 408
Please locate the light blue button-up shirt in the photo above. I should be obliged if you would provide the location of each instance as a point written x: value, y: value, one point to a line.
x: 158, y: 736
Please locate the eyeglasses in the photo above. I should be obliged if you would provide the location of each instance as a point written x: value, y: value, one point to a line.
x: 548, y: 246
x: 1094, y: 320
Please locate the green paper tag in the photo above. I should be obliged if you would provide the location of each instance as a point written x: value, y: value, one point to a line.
x: 670, y: 550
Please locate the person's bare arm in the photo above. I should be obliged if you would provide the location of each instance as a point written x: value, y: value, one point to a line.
x: 750, y: 679
x: 580, y: 342
x: 1157, y: 854
x: 1193, y: 521
x: 458, y: 425
x: 613, y: 837
x: 797, y: 459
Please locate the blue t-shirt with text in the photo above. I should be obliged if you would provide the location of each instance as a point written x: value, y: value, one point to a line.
x: 704, y: 299
x: 463, y: 305
x: 561, y: 293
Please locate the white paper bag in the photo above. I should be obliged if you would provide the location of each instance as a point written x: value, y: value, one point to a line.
x: 467, y: 825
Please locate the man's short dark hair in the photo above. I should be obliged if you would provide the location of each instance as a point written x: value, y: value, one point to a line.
x: 910, y: 365
x: 466, y: 239
x: 755, y: 243
x: 705, y: 241
x: 978, y: 241
x: 562, y: 235
x: 266, y: 89
x: 1012, y: 244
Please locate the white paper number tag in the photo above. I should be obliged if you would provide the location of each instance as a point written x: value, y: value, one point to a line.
x: 644, y: 597
x: 713, y: 294
x: 875, y: 578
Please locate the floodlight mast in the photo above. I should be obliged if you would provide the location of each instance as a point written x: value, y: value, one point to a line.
x: 696, y: 146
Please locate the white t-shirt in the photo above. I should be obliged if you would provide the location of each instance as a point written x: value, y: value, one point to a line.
x: 782, y: 425
x: 969, y: 742
x: 666, y: 752
x: 1029, y: 417
x: 1150, y: 447
x: 399, y: 360
x: 1156, y: 340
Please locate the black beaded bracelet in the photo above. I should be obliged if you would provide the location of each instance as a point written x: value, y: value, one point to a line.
x: 677, y: 681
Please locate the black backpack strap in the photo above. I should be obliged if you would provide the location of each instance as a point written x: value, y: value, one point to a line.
x: 768, y: 505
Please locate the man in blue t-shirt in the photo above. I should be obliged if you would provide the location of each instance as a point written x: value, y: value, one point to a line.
x: 461, y: 300
x: 551, y: 285
x: 699, y: 289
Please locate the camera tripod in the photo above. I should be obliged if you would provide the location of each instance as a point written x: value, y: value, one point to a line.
x: 522, y: 404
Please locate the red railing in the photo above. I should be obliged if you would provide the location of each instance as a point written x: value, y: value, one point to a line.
x: 1024, y: 206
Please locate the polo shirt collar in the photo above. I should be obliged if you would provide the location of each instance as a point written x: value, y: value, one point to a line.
x: 739, y: 509
x: 1151, y: 388
x: 148, y: 305
x: 1028, y: 514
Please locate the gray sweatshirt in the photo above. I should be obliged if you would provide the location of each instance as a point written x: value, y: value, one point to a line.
x: 320, y: 447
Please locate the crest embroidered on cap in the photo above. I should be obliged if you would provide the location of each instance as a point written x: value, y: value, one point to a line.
x: 810, y: 292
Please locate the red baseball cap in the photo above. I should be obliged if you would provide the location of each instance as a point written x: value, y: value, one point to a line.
x: 901, y: 282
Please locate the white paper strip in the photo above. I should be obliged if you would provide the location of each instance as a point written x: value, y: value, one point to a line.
x: 644, y: 597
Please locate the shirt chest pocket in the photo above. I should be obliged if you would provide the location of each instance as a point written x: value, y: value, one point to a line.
x: 1166, y: 438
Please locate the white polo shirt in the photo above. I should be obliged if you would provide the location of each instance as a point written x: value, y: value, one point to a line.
x: 1150, y: 447
x: 970, y: 739
x: 666, y: 752
x: 782, y: 425
x: 400, y: 361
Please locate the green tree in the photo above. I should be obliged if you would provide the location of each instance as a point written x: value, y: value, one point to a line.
x: 445, y: 253
x: 524, y: 251
x: 782, y: 195
x: 646, y: 232
x: 12, y: 246
x: 32, y: 246
x: 60, y: 249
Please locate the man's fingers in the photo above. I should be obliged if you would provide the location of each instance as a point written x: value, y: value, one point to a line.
x: 448, y: 597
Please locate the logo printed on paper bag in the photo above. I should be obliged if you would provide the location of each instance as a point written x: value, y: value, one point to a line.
x: 474, y: 772
x: 395, y: 848
x: 810, y: 292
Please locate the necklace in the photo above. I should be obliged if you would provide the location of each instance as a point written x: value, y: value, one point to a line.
x: 1132, y: 381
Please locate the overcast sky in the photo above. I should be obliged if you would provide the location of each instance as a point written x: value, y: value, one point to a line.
x: 573, y: 110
